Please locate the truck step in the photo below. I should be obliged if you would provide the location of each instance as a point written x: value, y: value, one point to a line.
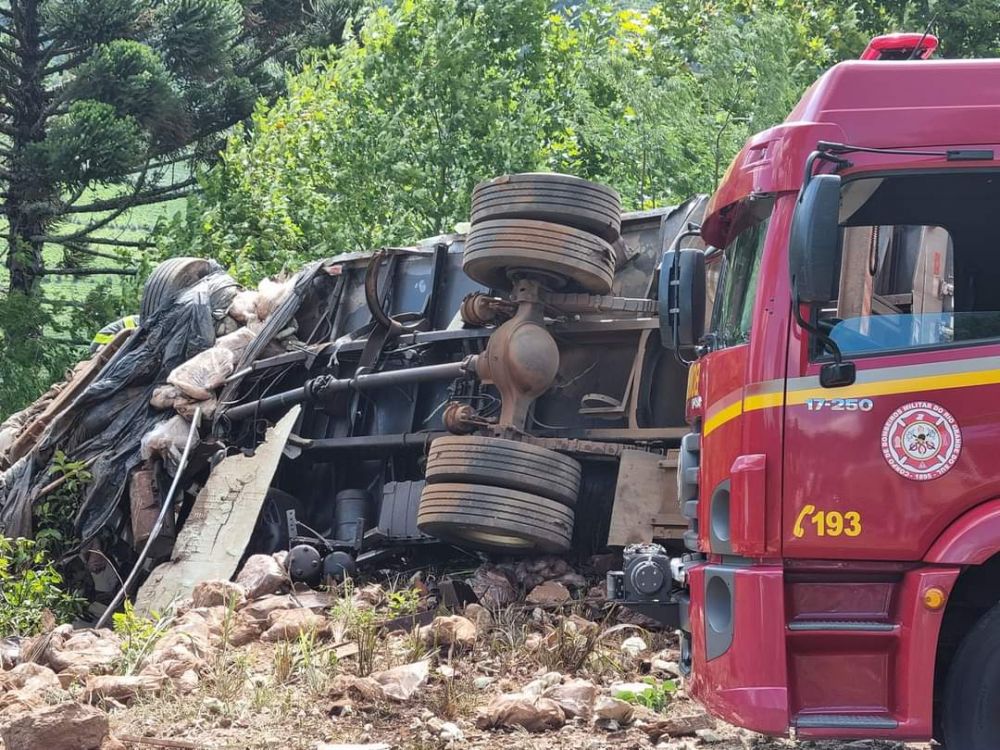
x: 844, y: 721
x: 854, y: 626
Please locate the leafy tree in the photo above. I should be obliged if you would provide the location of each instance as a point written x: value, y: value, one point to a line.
x: 382, y: 140
x: 102, y: 100
x: 30, y: 587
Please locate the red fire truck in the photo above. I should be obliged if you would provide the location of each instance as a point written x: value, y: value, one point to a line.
x: 841, y: 477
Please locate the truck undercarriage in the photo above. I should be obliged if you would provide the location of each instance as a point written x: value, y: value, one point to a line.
x: 501, y: 392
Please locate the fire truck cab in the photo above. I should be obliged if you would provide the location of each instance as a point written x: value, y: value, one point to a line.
x: 841, y: 477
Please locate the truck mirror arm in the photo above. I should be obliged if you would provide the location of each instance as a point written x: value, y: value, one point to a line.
x: 834, y: 374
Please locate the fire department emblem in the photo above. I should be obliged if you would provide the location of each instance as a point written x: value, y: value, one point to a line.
x: 921, y: 440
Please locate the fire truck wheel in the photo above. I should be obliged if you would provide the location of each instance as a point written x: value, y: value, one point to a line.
x: 504, y: 463
x: 494, y: 519
x: 971, y: 707
x: 169, y: 279
x: 496, y: 249
x: 557, y: 198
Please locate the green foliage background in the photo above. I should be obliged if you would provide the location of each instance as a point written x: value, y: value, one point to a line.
x: 381, y: 140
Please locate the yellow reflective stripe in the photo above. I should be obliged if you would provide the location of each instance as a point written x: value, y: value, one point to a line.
x: 890, y: 387
x: 722, y: 416
x: 130, y: 321
x: 899, y: 385
x: 103, y: 338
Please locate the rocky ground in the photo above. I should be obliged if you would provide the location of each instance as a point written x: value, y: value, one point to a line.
x: 256, y: 665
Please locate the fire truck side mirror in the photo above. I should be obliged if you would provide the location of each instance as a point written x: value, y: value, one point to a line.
x: 814, y: 247
x: 682, y: 299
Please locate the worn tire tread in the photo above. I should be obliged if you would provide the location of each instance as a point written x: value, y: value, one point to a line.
x: 504, y: 463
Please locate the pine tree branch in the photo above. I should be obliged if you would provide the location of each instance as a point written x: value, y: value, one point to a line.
x: 140, y: 183
x: 140, y: 244
x: 89, y: 272
x: 78, y: 248
x: 73, y: 62
x: 11, y: 31
x: 139, y: 198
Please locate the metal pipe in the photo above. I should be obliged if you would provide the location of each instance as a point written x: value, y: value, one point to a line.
x: 369, y: 443
x: 158, y: 526
x: 320, y: 388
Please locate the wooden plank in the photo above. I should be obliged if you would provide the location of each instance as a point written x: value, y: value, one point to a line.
x: 645, y: 504
x: 223, y: 517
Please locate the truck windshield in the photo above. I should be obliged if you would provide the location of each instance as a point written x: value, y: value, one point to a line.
x: 737, y: 279
x: 921, y: 263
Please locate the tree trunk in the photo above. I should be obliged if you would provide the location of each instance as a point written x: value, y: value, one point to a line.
x: 30, y: 193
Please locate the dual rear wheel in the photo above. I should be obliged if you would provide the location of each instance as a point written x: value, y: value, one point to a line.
x: 499, y: 495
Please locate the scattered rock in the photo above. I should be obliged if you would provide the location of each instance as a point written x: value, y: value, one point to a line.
x: 83, y: 651
x: 479, y: 615
x: 668, y: 668
x: 613, y: 709
x: 685, y: 725
x: 110, y: 743
x: 359, y: 688
x: 372, y: 594
x: 450, y: 732
x: 482, y: 682
x: 633, y: 646
x: 542, y: 683
x: 707, y: 736
x: 123, y: 689
x: 493, y: 586
x: 576, y: 698
x: 28, y: 686
x: 531, y: 712
x: 244, y: 631
x: 550, y: 593
x: 289, y: 624
x: 261, y: 575
x: 400, y: 683
x: 454, y: 631
x: 187, y: 682
x: 370, y: 746
x: 260, y: 609
x: 67, y: 726
x: 29, y: 676
x: 218, y: 594
x: 10, y: 652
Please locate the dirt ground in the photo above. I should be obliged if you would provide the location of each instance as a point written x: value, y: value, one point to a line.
x: 248, y: 702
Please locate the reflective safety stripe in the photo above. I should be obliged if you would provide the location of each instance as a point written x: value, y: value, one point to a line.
x: 103, y: 338
x: 871, y: 383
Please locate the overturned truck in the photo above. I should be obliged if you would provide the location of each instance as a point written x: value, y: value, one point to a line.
x: 502, y: 391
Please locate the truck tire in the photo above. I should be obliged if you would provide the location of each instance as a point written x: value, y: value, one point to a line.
x: 504, y: 463
x: 169, y: 279
x: 575, y: 258
x: 494, y: 519
x: 557, y: 198
x: 971, y: 705
x: 271, y: 532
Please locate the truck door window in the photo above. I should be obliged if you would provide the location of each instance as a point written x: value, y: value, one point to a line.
x: 921, y: 263
x: 737, y: 280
